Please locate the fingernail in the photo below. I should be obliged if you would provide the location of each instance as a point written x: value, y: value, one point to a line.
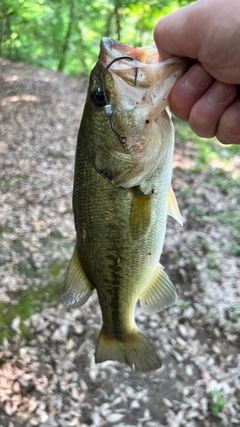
x: 196, y: 80
x: 219, y: 94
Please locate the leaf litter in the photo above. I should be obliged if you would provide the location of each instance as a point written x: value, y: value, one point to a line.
x: 47, y: 372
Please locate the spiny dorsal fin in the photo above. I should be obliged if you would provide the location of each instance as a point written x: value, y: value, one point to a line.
x: 77, y: 288
x: 160, y: 293
x: 172, y: 206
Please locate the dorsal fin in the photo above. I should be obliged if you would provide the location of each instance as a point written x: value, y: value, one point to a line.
x: 172, y: 206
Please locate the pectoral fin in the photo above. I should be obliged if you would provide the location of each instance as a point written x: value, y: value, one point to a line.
x: 172, y: 206
x: 77, y: 288
x: 140, y: 217
x: 160, y: 293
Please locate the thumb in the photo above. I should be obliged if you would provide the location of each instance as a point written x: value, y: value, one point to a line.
x: 177, y: 34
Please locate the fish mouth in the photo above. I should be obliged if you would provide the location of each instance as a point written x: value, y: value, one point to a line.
x: 145, y: 69
x: 140, y: 84
x: 111, y: 49
x: 139, y: 97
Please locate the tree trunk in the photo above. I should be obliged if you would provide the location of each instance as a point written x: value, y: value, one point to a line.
x: 62, y: 61
x: 117, y: 21
x: 82, y: 52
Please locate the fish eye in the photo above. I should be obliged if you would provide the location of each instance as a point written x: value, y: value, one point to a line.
x: 98, y: 98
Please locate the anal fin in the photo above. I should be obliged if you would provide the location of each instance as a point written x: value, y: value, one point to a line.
x: 77, y: 288
x: 160, y: 294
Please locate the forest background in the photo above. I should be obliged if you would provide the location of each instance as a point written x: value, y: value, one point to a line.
x: 64, y: 35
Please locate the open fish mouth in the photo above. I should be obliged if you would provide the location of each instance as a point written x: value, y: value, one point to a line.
x: 144, y: 70
x: 111, y: 49
x: 131, y: 87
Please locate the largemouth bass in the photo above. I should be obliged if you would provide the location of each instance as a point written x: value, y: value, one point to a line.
x: 121, y: 197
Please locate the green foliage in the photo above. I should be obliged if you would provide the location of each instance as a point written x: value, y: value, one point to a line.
x: 64, y: 35
x: 185, y: 305
x: 217, y: 402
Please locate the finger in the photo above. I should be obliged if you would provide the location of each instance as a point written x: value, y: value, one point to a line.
x: 188, y: 90
x: 206, y: 113
x: 178, y: 33
x: 228, y: 126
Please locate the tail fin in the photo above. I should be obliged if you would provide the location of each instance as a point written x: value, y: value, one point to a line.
x: 133, y: 350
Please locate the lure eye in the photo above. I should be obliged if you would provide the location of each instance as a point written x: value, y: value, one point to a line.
x: 98, y: 98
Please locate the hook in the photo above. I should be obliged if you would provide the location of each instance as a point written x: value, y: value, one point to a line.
x: 108, y: 108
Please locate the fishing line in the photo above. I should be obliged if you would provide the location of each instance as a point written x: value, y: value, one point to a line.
x: 108, y: 108
x: 46, y: 201
x: 109, y: 111
x: 67, y: 194
x: 79, y: 188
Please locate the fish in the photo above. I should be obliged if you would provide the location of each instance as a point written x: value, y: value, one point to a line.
x: 122, y: 195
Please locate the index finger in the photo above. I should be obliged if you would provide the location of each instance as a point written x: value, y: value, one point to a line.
x: 178, y: 34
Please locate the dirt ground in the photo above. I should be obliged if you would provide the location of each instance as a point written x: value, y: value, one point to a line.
x: 47, y: 372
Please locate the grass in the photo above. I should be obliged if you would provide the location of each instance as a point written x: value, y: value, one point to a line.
x: 57, y: 155
x: 213, y: 159
x: 211, y: 312
x: 185, y: 305
x: 236, y: 308
x: 188, y: 191
x: 231, y: 219
x: 33, y: 299
x: 235, y: 249
x: 5, y: 229
x: 5, y: 185
x: 213, y: 261
x: 207, y: 150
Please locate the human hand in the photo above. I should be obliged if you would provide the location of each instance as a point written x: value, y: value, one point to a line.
x: 206, y: 96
